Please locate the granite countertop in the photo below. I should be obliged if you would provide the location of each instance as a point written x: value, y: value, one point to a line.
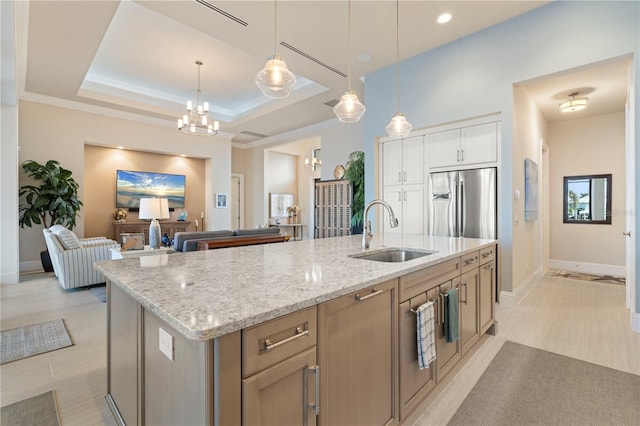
x: 207, y: 294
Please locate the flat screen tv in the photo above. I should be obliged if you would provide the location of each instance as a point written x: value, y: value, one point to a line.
x: 131, y: 186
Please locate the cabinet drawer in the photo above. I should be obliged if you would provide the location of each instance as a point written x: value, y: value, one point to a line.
x: 268, y: 343
x: 420, y: 281
x: 470, y: 261
x: 487, y: 254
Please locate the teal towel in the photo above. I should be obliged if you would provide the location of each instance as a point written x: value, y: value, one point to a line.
x: 451, y: 327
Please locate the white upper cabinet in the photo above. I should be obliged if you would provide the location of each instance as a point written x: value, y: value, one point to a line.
x: 465, y: 146
x: 403, y: 161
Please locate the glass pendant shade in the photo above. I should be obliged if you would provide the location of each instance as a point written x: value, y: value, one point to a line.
x: 574, y: 104
x: 398, y: 127
x: 275, y: 80
x: 349, y: 109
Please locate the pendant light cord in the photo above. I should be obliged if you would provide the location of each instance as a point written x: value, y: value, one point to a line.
x: 398, y: 54
x: 275, y: 27
x: 349, y: 46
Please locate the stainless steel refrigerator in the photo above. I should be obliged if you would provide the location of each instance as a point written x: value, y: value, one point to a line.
x: 463, y: 203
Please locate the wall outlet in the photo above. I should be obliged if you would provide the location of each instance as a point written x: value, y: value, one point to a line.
x: 165, y: 343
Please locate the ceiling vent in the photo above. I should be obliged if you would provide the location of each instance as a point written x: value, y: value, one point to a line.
x: 316, y: 60
x: 223, y: 13
x: 253, y: 134
x: 332, y: 103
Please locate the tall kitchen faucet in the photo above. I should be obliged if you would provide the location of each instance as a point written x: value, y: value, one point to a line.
x: 367, y: 234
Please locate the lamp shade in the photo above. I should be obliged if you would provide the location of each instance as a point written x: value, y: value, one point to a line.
x: 275, y: 80
x: 574, y: 104
x: 398, y: 127
x: 153, y: 208
x: 349, y: 109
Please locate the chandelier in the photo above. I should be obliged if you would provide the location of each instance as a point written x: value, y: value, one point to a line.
x: 398, y: 127
x: 349, y: 109
x: 196, y: 121
x: 275, y: 80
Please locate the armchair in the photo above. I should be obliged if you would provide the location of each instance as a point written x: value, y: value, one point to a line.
x: 73, y: 258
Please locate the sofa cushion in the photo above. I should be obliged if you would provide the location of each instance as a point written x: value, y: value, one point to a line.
x: 179, y: 238
x: 257, y: 231
x: 67, y: 238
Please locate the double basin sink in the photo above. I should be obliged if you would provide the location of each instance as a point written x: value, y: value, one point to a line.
x: 392, y: 254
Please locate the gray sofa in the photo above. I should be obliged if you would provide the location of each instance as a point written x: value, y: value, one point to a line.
x: 188, y: 241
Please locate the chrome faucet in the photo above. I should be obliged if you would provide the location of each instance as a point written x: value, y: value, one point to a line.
x: 367, y: 235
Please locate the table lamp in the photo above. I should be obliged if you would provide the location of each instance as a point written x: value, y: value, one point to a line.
x: 154, y: 209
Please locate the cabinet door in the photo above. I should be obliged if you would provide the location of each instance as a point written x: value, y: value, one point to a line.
x: 487, y: 296
x: 395, y: 197
x: 356, y: 340
x: 468, y: 299
x: 413, y: 210
x: 447, y: 353
x: 444, y: 148
x: 479, y: 144
x: 415, y: 384
x: 413, y: 161
x: 282, y: 394
x: 392, y: 162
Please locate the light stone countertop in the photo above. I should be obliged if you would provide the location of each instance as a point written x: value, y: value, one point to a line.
x: 207, y: 294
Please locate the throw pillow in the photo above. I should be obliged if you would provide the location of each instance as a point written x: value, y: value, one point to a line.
x: 69, y: 240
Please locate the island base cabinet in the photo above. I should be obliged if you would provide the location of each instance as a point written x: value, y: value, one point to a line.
x: 283, y: 394
x: 356, y: 342
x: 468, y: 299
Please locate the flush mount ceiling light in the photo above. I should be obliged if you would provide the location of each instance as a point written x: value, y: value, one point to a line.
x: 275, y: 80
x: 444, y: 18
x: 398, y: 127
x: 196, y: 121
x: 349, y: 109
x: 574, y: 104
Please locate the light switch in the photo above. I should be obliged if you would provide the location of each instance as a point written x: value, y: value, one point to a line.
x: 166, y: 343
x: 516, y: 194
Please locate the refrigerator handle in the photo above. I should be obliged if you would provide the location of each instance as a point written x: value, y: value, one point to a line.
x: 461, y: 209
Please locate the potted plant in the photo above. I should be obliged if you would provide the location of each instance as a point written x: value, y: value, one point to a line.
x: 52, y: 200
x: 354, y: 171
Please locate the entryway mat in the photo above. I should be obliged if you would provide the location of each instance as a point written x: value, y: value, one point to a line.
x: 23, y: 342
x: 38, y: 410
x: 609, y: 279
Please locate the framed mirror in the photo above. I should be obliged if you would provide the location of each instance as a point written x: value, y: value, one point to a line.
x: 587, y: 199
x: 278, y: 204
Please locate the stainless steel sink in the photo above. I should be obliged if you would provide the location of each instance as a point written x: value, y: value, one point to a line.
x: 392, y: 254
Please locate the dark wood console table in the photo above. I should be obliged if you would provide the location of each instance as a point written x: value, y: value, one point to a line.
x: 170, y: 227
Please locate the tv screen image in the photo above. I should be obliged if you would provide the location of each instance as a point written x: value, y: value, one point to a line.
x: 132, y: 185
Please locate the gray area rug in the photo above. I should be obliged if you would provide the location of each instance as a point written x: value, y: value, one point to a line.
x: 37, y: 410
x: 32, y: 340
x: 100, y: 292
x: 528, y: 386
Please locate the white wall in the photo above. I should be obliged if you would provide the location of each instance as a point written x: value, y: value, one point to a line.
x: 51, y: 132
x: 594, y: 145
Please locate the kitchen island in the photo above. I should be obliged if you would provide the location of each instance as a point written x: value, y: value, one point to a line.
x: 200, y: 337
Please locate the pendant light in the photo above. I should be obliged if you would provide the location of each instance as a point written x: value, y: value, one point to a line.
x: 196, y: 121
x: 275, y: 80
x: 398, y: 127
x: 349, y: 109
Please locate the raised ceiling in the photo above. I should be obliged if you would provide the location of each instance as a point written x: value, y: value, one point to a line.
x: 138, y: 57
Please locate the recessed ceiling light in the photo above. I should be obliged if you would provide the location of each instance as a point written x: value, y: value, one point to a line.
x: 444, y: 18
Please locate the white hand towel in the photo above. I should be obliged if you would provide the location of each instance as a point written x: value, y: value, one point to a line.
x: 426, y: 335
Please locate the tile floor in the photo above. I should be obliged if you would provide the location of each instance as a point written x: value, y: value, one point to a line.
x: 580, y: 319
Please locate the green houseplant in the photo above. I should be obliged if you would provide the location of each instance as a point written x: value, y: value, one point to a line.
x: 52, y: 199
x: 354, y: 172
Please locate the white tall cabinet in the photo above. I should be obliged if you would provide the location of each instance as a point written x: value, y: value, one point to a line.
x: 403, y: 182
x: 406, y: 165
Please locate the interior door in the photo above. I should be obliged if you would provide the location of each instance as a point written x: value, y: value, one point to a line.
x: 631, y: 231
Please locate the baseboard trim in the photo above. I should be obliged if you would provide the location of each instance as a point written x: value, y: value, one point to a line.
x: 635, y: 321
x: 9, y: 278
x: 509, y: 299
x: 31, y: 266
x: 588, y: 268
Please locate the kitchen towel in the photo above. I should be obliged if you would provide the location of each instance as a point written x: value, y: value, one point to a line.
x: 451, y: 333
x: 426, y: 335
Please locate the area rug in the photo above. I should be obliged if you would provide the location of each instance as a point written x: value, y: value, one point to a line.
x: 609, y: 279
x: 38, y: 410
x: 32, y: 340
x: 524, y: 386
x: 100, y: 292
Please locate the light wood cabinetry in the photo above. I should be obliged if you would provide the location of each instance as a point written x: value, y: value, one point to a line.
x: 464, y: 146
x: 169, y: 227
x: 468, y: 301
x: 487, y: 288
x: 357, y: 339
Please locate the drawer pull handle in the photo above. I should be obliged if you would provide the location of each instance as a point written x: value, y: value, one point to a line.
x: 487, y: 254
x: 470, y: 261
x: 373, y: 293
x: 316, y: 404
x: 299, y: 333
x: 489, y: 266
